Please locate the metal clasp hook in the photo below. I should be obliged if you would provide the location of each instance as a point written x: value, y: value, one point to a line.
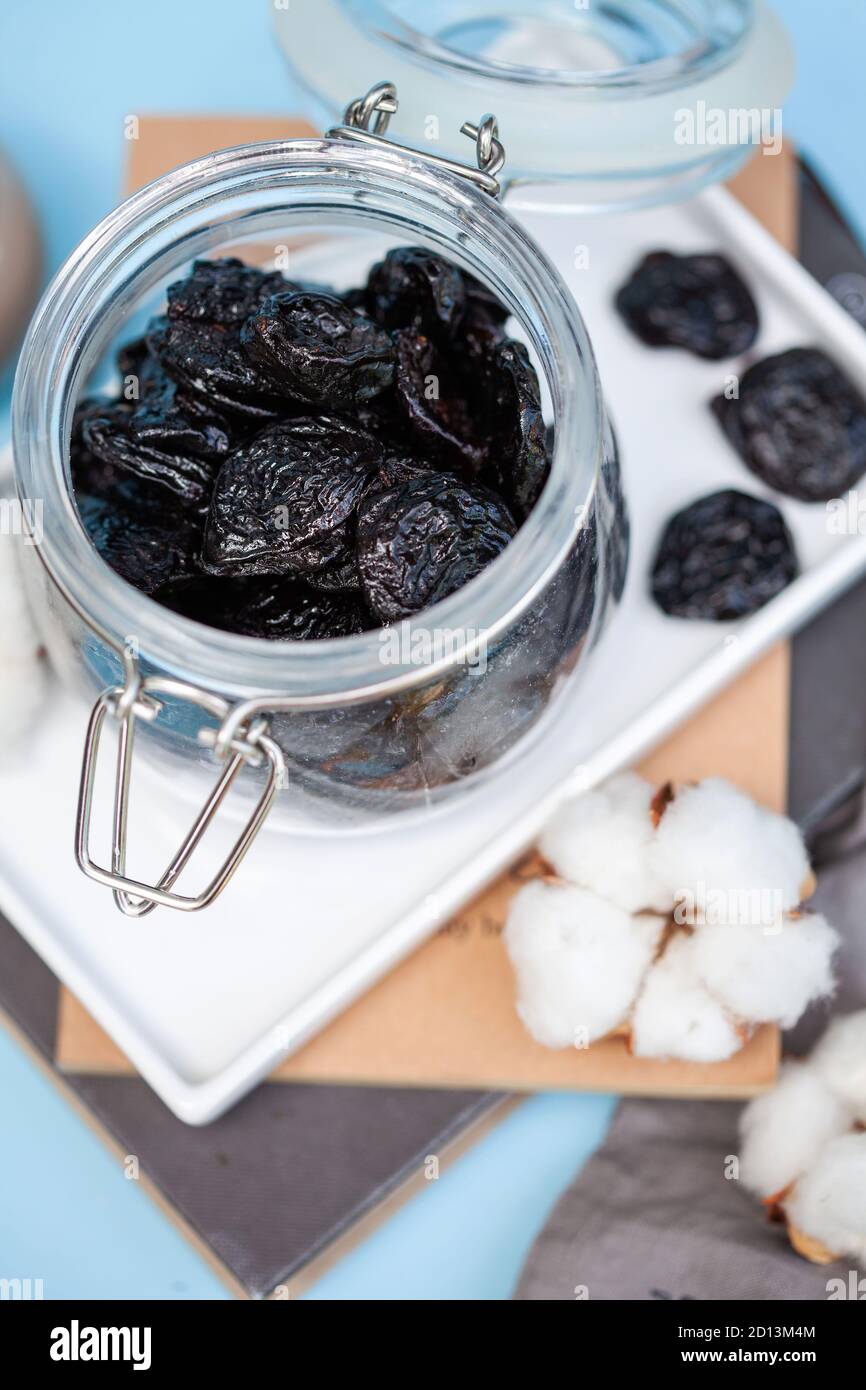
x: 378, y: 106
x: 138, y: 699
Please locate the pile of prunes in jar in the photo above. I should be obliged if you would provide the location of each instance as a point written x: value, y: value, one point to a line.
x: 289, y: 462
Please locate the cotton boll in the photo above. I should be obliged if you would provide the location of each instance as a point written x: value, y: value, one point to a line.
x: 767, y: 976
x: 578, y: 961
x: 713, y: 839
x: 601, y: 841
x: 840, y: 1057
x: 828, y: 1203
x: 677, y: 1017
x: 782, y: 1132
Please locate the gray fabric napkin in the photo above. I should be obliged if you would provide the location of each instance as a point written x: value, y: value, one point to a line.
x: 653, y: 1216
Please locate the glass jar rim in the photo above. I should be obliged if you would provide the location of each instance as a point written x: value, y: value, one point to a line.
x: 50, y: 373
x: 717, y: 44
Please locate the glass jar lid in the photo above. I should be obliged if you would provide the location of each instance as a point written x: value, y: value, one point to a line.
x: 626, y: 102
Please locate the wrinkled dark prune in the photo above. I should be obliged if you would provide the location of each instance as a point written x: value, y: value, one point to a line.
x: 342, y: 578
x: 482, y: 327
x: 282, y: 503
x: 290, y: 612
x: 699, y: 303
x: 283, y: 610
x: 134, y: 360
x: 423, y: 540
x: 394, y: 470
x: 90, y: 474
x: 160, y: 443
x: 434, y: 404
x: 799, y: 424
x: 414, y: 288
x: 355, y: 298
x: 149, y: 544
x: 723, y: 557
x: 314, y: 348
x: 482, y: 303
x: 519, y: 465
x: 208, y: 361
x: 223, y: 291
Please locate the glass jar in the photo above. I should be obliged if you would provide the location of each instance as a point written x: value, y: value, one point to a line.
x: 605, y: 105
x: 393, y: 720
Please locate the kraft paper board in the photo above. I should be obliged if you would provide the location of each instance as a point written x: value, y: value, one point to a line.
x: 446, y: 1016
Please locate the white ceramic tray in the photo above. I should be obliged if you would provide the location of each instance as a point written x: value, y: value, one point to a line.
x: 206, y: 1005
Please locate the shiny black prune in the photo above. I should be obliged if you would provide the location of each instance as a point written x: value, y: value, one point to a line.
x: 482, y: 304
x: 519, y: 463
x: 223, y: 291
x: 282, y: 503
x: 699, y: 303
x: 395, y: 469
x: 291, y: 612
x: 161, y: 443
x: 482, y: 329
x: 90, y: 474
x: 342, y: 578
x: 799, y: 424
x: 723, y: 557
x: 282, y: 610
x: 135, y: 362
x: 425, y: 539
x: 414, y: 288
x: 314, y: 348
x: 208, y: 362
x: 149, y: 544
x: 435, y: 406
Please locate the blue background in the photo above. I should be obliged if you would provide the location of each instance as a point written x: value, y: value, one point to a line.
x: 69, y: 74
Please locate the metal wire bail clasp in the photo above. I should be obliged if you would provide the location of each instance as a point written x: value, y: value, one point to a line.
x: 139, y: 698
x: 366, y: 121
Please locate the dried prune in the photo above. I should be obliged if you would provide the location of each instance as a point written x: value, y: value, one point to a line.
x: 89, y: 474
x: 290, y: 612
x: 224, y: 291
x: 148, y: 544
x: 134, y: 361
x: 482, y: 303
x: 699, y: 303
x: 519, y: 463
x: 799, y: 424
x: 435, y: 407
x: 414, y: 288
x: 423, y: 540
x: 282, y: 503
x: 482, y: 327
x: 394, y: 470
x: 342, y: 578
x: 723, y: 557
x: 208, y: 361
x: 283, y: 610
x: 314, y: 348
x: 161, y: 443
